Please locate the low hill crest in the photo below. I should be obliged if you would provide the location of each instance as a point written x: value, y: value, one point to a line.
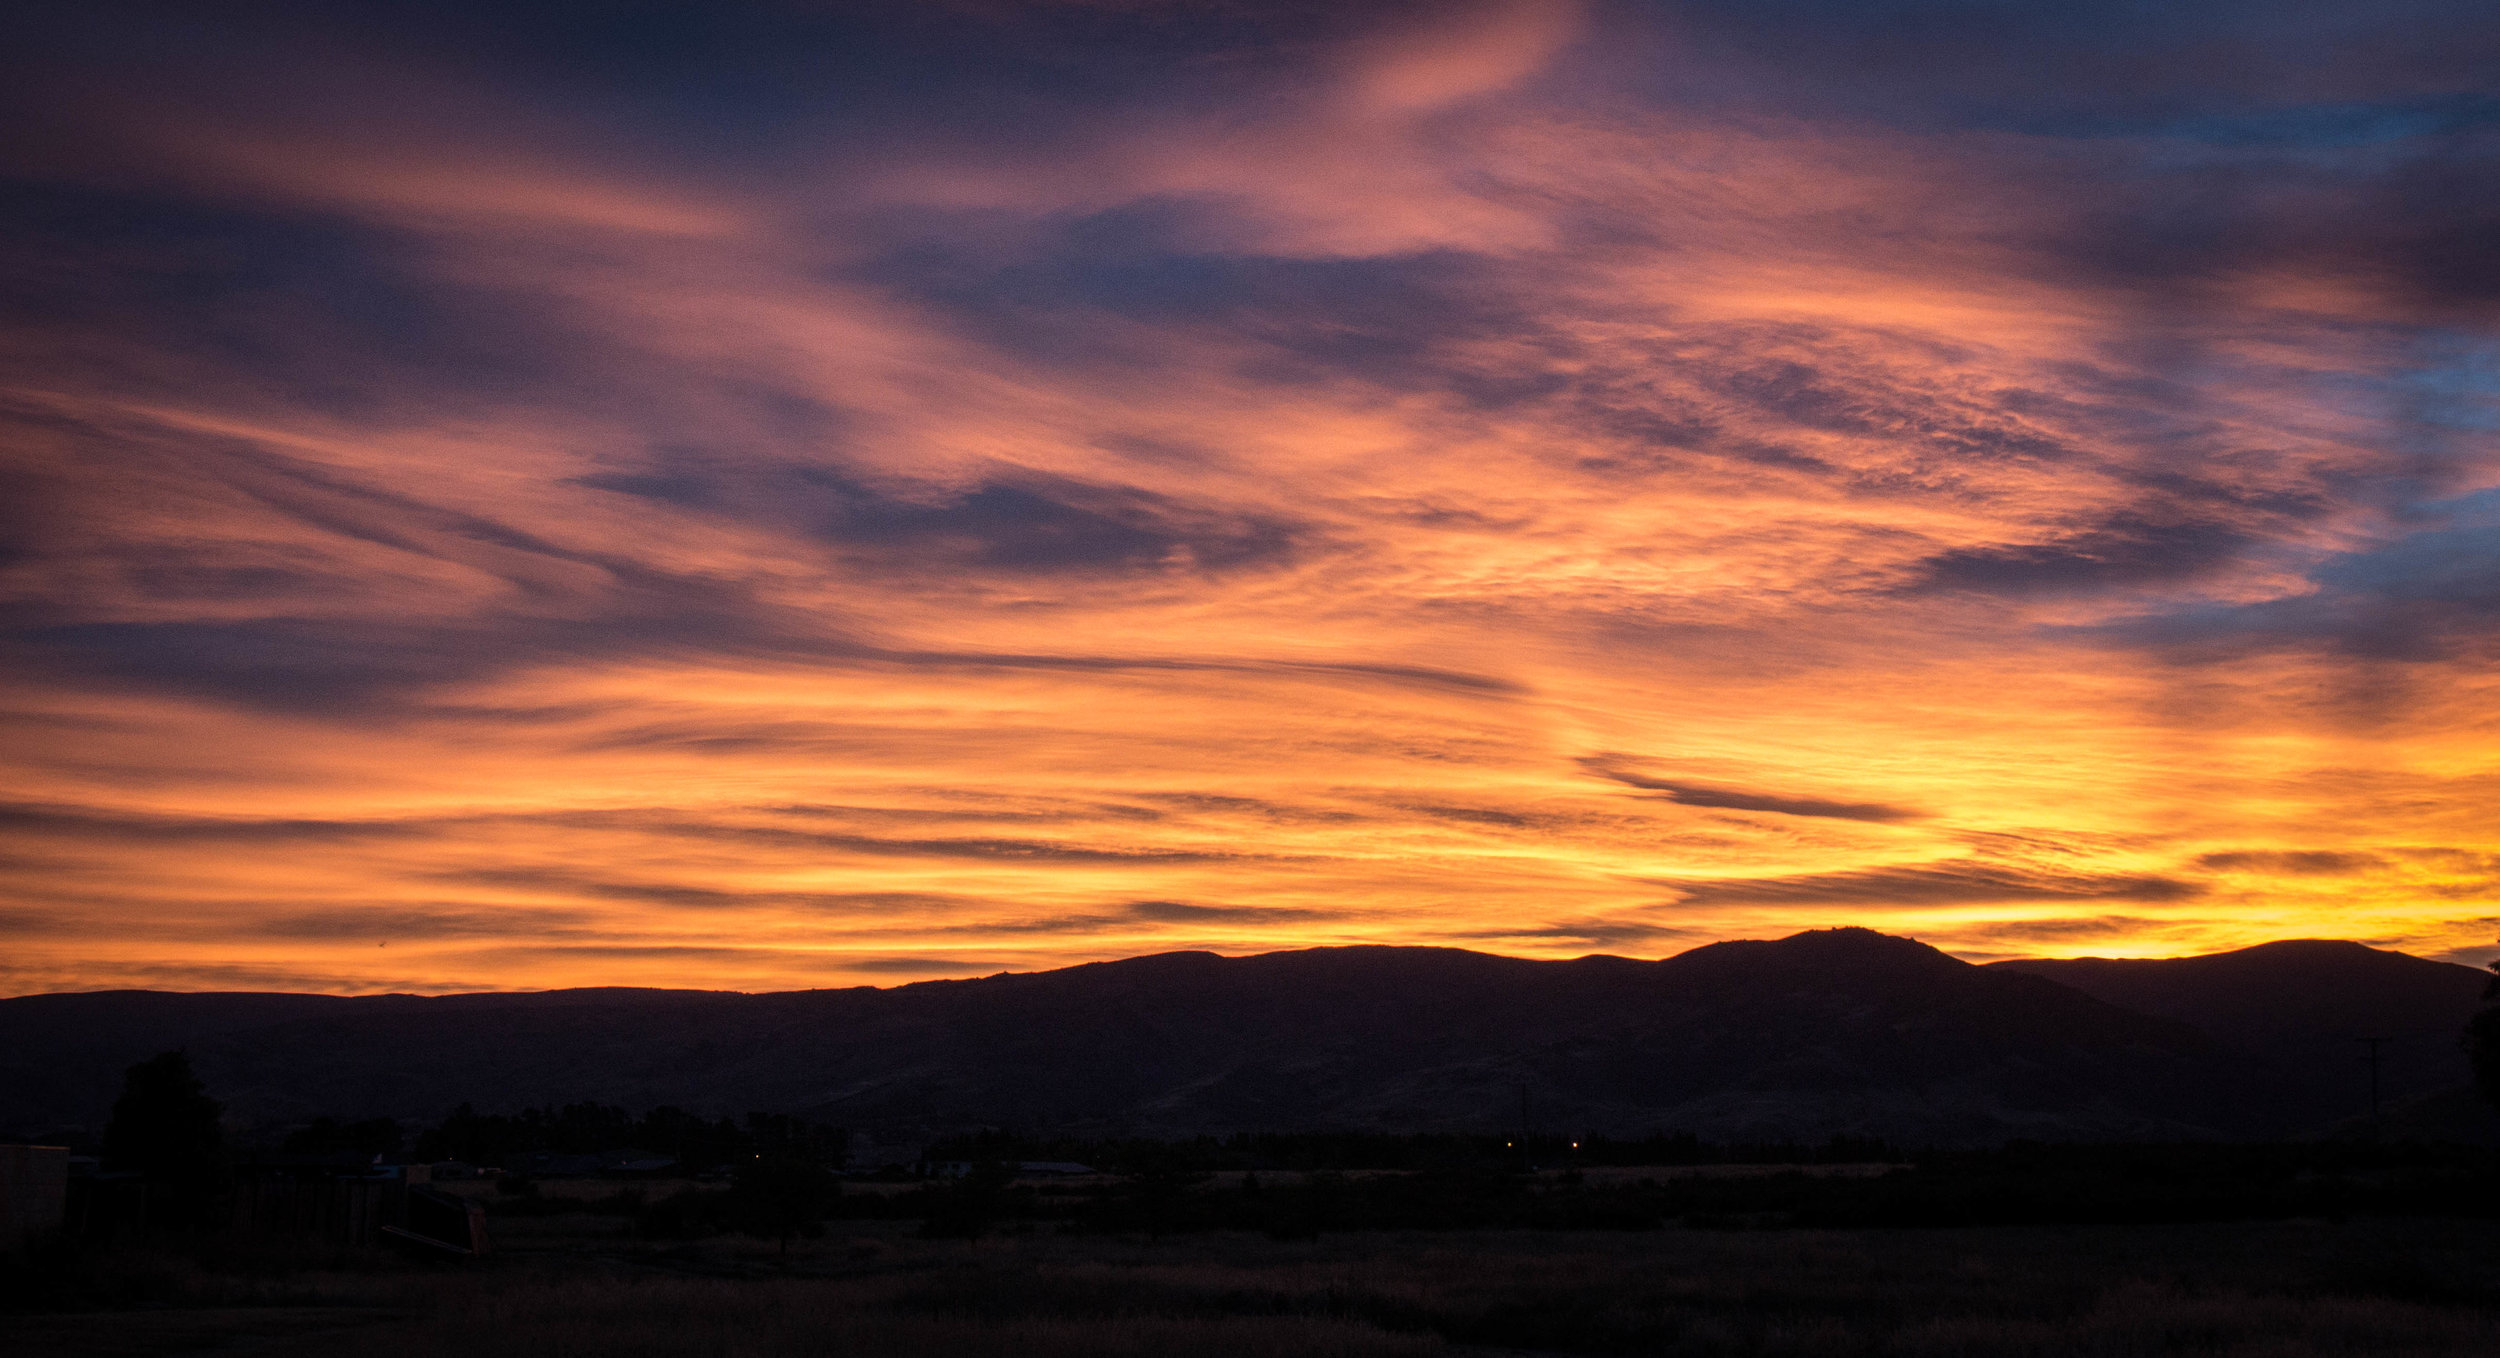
x: 1825, y: 1032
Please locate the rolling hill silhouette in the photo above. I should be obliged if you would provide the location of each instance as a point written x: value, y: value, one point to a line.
x: 2301, y: 1007
x: 1832, y: 1031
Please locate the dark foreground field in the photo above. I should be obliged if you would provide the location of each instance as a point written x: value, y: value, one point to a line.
x: 578, y: 1285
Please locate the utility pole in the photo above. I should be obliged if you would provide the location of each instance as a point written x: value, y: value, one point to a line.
x: 2373, y: 1044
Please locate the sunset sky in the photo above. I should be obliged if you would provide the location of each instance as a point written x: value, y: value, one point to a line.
x: 786, y: 495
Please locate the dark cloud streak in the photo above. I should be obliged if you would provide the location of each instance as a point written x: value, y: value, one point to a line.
x: 1950, y: 883
x: 1739, y: 799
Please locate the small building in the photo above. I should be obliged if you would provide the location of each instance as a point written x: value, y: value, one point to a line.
x: 439, y: 1226
x: 636, y: 1164
x: 552, y: 1165
x: 103, y: 1203
x: 34, y: 1194
x: 869, y: 1154
x: 1024, y: 1169
x: 348, y: 1197
x: 626, y: 1163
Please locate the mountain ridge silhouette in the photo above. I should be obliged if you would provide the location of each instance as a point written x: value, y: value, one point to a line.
x: 1837, y: 1031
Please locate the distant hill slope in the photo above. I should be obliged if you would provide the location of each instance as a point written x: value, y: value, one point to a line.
x: 1826, y: 1032
x: 2301, y: 1006
x: 61, y: 1056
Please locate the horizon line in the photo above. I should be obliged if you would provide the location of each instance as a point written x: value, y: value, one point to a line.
x: 1242, y: 956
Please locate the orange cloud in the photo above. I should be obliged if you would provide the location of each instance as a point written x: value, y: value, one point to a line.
x: 1403, y: 490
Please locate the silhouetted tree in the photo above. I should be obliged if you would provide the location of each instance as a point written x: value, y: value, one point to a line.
x: 776, y: 1199
x: 322, y: 1136
x: 165, y: 1127
x: 965, y: 1208
x: 2482, y: 1040
x: 582, y: 1128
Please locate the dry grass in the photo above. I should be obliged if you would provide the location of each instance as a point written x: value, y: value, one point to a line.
x: 2273, y: 1291
x: 670, y: 1317
x: 2276, y: 1290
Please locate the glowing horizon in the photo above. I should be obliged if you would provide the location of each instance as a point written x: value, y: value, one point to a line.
x: 819, y: 501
